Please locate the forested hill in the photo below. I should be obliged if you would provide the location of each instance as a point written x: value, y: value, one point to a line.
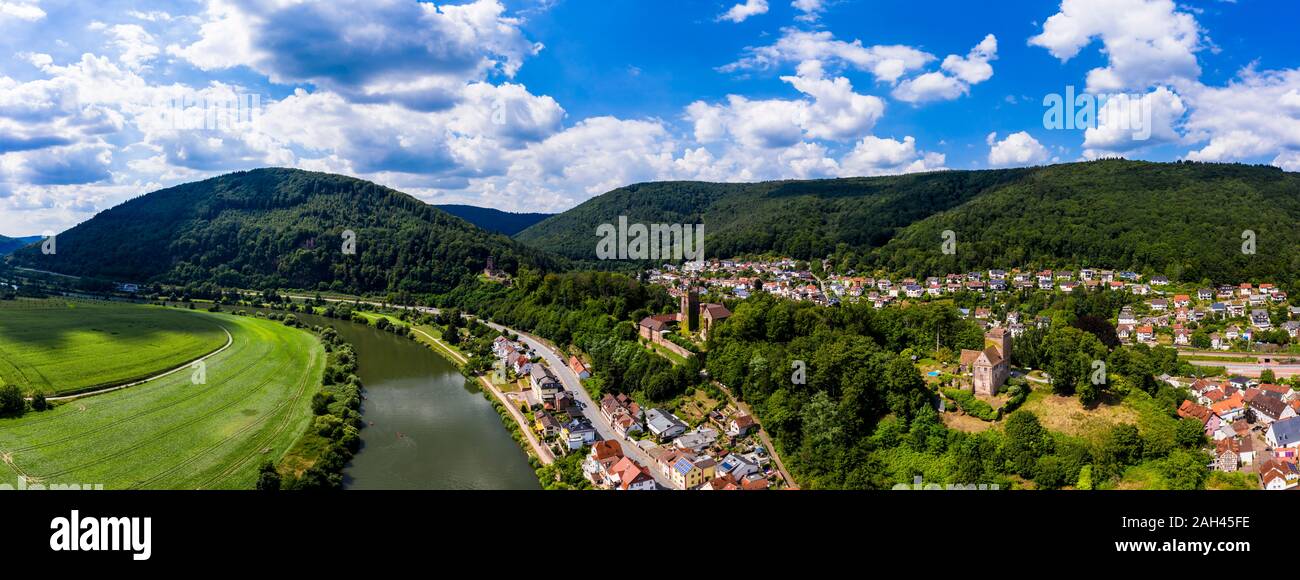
x: 1181, y: 219
x: 794, y: 218
x: 281, y: 228
x: 494, y: 220
x: 8, y: 245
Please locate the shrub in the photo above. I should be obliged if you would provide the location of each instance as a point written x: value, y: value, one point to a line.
x: 971, y: 405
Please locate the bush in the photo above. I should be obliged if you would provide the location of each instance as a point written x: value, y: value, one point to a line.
x: 11, y: 400
x: 971, y: 405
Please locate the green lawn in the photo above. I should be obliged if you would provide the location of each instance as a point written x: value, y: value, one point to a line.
x: 74, y: 346
x: 173, y: 434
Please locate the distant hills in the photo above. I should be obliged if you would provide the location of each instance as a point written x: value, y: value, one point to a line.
x: 1185, y: 220
x: 282, y: 228
x: 493, y: 220
x: 8, y: 245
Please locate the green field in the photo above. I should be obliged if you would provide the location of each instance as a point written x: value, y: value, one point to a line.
x: 57, y: 347
x: 170, y: 433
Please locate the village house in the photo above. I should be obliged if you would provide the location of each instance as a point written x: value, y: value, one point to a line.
x: 628, y: 475
x: 697, y: 439
x: 1230, y: 408
x: 545, y: 424
x: 1146, y: 334
x: 1210, y: 421
x: 684, y: 469
x: 1227, y: 456
x: 543, y: 382
x: 621, y: 413
x: 740, y: 425
x: 1284, y: 433
x: 1278, y: 475
x: 578, y: 432
x: 578, y: 367
x: 664, y: 425
x: 608, y: 468
x: 1259, y: 318
x: 1270, y: 408
x: 737, y: 466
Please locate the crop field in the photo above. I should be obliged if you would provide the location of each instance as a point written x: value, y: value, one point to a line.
x: 56, y: 347
x: 170, y: 433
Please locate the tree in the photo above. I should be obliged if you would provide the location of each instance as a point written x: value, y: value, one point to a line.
x: 1027, y: 440
x: 1186, y: 469
x: 268, y: 479
x: 1050, y: 473
x: 11, y: 401
x: 1121, y: 448
x: 1267, y: 376
x: 39, y: 403
x: 1189, y: 433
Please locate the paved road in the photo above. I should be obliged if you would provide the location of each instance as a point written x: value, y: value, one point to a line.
x: 571, y: 382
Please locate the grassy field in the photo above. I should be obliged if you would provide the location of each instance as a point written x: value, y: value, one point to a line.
x: 57, y: 347
x: 173, y: 434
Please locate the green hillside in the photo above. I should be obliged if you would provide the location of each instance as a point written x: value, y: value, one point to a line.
x: 797, y: 218
x: 281, y: 228
x: 1181, y: 219
x: 8, y: 245
x: 494, y: 220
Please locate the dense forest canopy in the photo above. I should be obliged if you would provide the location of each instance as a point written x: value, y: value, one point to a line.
x: 1185, y: 220
x: 282, y: 228
x: 494, y: 220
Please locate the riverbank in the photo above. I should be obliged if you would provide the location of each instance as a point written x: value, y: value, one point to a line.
x: 514, y: 420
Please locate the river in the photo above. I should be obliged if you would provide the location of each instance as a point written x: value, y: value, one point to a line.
x: 432, y: 429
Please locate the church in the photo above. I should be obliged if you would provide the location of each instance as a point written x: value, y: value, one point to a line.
x: 989, y: 368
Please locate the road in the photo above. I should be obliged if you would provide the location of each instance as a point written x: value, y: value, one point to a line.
x: 1280, y: 370
x: 590, y: 408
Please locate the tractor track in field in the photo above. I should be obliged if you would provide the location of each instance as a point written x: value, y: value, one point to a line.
x: 230, y: 340
x: 208, y: 414
x: 282, y: 406
x: 137, y: 392
x: 197, y: 393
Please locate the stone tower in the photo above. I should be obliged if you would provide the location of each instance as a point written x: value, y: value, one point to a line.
x: 689, y: 317
x: 1001, y: 340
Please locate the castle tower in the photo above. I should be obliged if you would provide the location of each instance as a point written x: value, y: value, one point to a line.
x: 1001, y: 339
x: 689, y: 316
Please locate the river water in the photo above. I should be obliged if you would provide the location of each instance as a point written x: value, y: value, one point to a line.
x: 432, y: 429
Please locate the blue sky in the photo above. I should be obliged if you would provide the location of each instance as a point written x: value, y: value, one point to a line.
x: 538, y: 105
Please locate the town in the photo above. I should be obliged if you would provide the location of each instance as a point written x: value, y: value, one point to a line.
x: 1240, y: 339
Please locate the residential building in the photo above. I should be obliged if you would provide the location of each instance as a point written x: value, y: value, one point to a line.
x: 1284, y: 433
x: 664, y: 425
